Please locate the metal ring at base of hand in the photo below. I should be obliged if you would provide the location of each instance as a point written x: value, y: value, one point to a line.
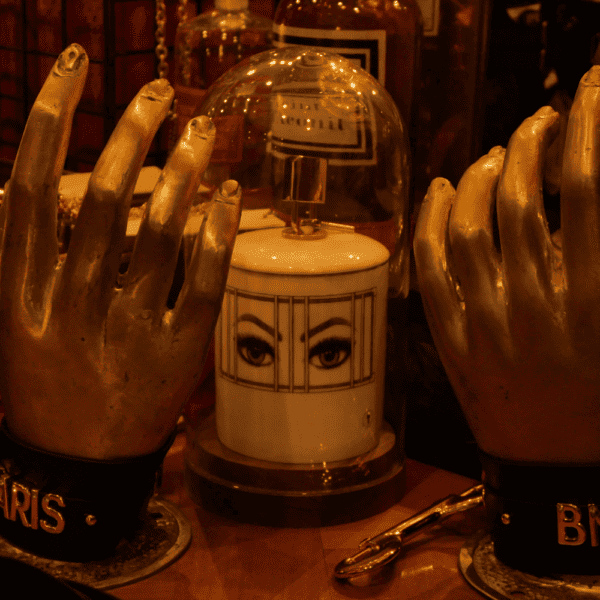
x: 493, y: 579
x: 163, y: 538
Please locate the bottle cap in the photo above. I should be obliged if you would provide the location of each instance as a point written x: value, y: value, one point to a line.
x: 231, y: 4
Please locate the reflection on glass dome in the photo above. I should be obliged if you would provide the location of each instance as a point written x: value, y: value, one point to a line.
x: 295, y: 102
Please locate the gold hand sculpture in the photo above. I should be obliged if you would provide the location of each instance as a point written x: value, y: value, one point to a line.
x: 94, y: 365
x: 518, y: 329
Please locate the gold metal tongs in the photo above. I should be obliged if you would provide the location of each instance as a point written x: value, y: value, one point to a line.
x: 376, y: 552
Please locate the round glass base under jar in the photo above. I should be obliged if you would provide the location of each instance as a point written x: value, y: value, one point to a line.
x: 292, y: 495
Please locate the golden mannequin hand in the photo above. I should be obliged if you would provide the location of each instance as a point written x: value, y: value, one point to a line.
x: 91, y: 368
x: 518, y: 331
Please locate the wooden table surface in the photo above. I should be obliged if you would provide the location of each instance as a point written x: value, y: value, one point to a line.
x: 235, y: 561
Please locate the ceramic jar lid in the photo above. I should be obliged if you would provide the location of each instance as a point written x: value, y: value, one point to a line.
x: 266, y: 252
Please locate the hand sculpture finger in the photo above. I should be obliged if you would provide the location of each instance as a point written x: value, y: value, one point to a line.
x: 453, y: 237
x: 145, y: 287
x: 30, y: 248
x: 174, y: 347
x: 437, y: 281
x: 580, y: 216
x: 528, y: 256
x: 86, y: 282
x: 199, y: 301
x: 476, y: 260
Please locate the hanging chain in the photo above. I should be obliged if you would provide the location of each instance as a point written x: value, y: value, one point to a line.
x: 184, y: 43
x: 162, y: 52
x: 182, y: 11
x: 161, y: 49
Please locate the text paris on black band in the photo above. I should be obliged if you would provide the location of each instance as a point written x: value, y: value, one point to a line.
x: 67, y: 508
x: 545, y: 518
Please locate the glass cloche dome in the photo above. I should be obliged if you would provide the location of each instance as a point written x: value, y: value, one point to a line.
x: 310, y: 126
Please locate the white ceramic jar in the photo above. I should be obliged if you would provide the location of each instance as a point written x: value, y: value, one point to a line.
x: 300, y: 347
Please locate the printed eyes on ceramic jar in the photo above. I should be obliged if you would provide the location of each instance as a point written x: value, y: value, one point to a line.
x: 327, y: 354
x: 256, y: 352
x: 330, y: 353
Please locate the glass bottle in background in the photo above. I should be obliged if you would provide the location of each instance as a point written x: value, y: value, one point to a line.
x: 209, y: 45
x: 434, y: 54
x: 381, y: 36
